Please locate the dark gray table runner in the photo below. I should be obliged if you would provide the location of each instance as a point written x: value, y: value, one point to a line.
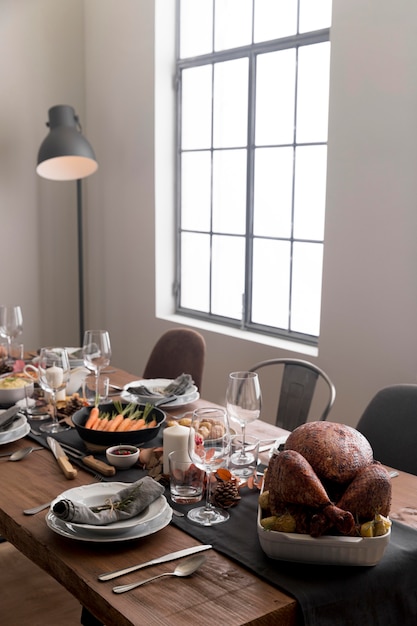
x: 383, y: 595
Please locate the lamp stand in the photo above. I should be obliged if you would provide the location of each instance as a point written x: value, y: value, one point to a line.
x: 80, y: 261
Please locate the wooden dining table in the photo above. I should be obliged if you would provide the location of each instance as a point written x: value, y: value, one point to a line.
x: 221, y: 591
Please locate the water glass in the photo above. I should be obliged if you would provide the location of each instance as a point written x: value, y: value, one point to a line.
x: 186, y: 481
x: 93, y: 394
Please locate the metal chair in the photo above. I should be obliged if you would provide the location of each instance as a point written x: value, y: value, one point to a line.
x: 298, y: 386
x: 389, y: 422
x: 178, y: 351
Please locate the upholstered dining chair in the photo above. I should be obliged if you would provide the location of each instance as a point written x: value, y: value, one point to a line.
x: 297, y: 389
x: 389, y: 422
x: 178, y: 351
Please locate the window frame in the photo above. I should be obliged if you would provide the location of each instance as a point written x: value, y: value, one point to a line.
x: 250, y: 51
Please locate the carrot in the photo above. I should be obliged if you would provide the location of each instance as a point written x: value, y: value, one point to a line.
x: 125, y: 425
x: 115, y: 423
x: 151, y: 424
x: 96, y: 424
x: 102, y: 423
x: 138, y: 424
x: 92, y: 417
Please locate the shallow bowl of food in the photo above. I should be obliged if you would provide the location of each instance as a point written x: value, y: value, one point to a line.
x: 324, y: 550
x: 12, y: 388
x: 122, y: 456
x: 101, y: 439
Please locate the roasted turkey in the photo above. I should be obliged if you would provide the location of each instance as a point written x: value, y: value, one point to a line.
x: 327, y: 477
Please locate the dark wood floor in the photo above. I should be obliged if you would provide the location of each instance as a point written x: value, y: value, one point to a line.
x: 29, y: 597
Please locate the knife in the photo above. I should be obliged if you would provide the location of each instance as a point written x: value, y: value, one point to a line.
x: 69, y: 471
x: 162, y: 559
x: 89, y: 460
x: 7, y: 417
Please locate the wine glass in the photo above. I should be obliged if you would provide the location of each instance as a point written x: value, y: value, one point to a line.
x: 209, y: 450
x: 54, y: 373
x: 96, y: 354
x: 243, y: 404
x: 11, y: 325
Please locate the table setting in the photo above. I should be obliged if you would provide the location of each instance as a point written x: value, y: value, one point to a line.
x: 321, y: 590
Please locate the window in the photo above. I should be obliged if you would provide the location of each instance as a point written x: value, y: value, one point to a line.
x: 253, y: 85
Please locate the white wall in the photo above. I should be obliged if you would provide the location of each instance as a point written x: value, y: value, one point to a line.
x: 368, y: 336
x: 39, y: 66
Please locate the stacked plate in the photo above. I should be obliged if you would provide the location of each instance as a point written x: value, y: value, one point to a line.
x: 154, y: 518
x: 157, y: 385
x: 18, y: 429
x: 75, y: 356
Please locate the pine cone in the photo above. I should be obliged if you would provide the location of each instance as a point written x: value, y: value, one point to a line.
x: 226, y: 494
x: 74, y: 403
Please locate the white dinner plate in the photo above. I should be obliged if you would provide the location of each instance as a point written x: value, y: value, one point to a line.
x: 75, y: 357
x: 157, y: 383
x: 75, y: 360
x: 20, y: 429
x: 98, y: 493
x: 275, y: 448
x: 66, y: 529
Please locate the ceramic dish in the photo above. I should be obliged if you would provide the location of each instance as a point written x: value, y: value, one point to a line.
x: 325, y: 550
x: 25, y: 430
x: 20, y: 428
x: 70, y: 531
x: 97, y: 493
x: 11, y: 395
x: 279, y: 442
x: 122, y: 456
x: 75, y: 356
x: 157, y: 383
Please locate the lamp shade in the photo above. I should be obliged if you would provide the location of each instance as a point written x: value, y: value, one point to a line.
x: 65, y: 153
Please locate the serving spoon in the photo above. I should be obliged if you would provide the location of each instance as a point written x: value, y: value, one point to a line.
x: 185, y: 568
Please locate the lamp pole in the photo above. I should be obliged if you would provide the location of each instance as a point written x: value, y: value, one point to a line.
x: 80, y: 260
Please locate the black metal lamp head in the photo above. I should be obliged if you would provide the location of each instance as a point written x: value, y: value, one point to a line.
x: 65, y: 153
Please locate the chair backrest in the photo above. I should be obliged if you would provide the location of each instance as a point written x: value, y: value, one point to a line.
x: 178, y: 351
x: 389, y: 422
x: 298, y: 385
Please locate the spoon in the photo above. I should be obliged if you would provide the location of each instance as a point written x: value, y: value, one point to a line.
x: 36, y: 509
x: 20, y: 454
x: 185, y: 568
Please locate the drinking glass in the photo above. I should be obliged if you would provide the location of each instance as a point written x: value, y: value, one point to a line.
x: 11, y: 325
x: 209, y: 450
x: 96, y: 354
x: 243, y: 405
x: 54, y: 373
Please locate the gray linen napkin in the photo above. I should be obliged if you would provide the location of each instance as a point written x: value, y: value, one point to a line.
x: 127, y: 503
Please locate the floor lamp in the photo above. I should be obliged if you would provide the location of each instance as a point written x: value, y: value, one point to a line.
x: 65, y: 154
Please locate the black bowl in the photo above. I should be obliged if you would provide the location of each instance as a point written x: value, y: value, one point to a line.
x: 102, y: 439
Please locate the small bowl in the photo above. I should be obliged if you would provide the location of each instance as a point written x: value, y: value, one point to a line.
x: 122, y: 457
x: 102, y: 439
x: 11, y: 395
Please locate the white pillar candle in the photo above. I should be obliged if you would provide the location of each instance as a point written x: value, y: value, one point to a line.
x: 54, y: 376
x: 175, y: 438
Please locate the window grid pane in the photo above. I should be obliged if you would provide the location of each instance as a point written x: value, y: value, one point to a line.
x: 252, y: 148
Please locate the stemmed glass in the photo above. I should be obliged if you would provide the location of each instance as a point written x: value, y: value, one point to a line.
x: 54, y: 373
x: 96, y: 354
x: 11, y: 325
x: 209, y: 450
x: 243, y: 404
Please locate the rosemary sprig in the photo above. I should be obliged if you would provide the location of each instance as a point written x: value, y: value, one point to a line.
x: 122, y: 505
